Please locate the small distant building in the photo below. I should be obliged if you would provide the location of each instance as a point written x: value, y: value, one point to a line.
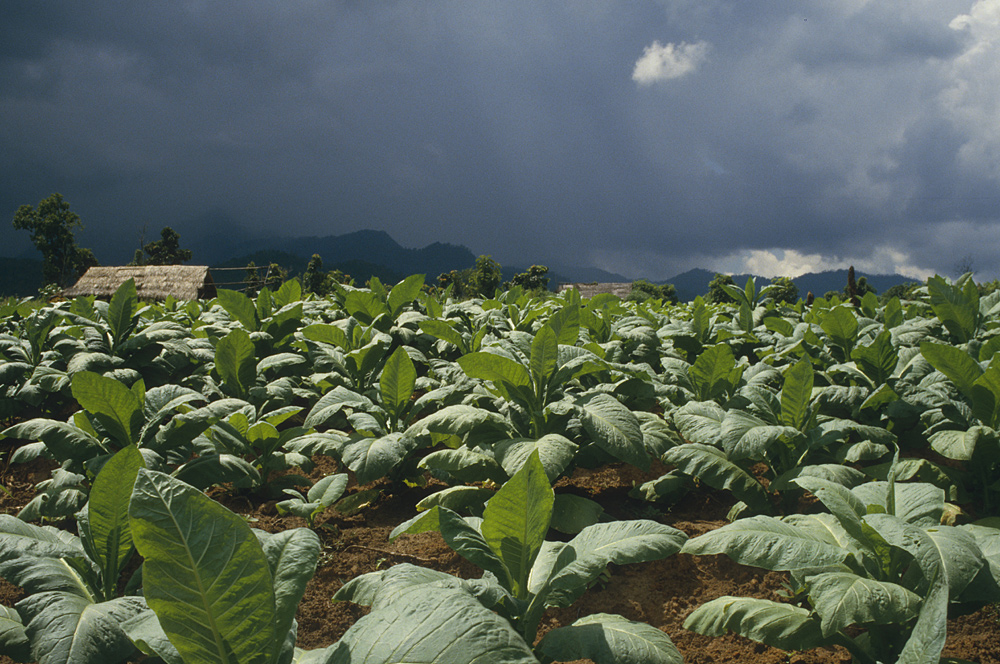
x: 152, y: 282
x: 622, y: 290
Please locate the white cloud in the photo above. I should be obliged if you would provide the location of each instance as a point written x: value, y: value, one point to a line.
x: 791, y: 263
x: 662, y: 62
x: 973, y: 100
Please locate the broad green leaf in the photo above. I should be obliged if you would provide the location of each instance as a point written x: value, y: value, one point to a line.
x: 782, y: 626
x: 327, y: 490
x: 700, y: 421
x: 956, y: 307
x: 961, y: 445
x: 764, y: 541
x: 877, y: 360
x: 116, y: 406
x: 745, y: 436
x: 844, y: 505
x: 609, y: 639
x: 373, y: 458
x: 444, y: 331
x: 843, y: 599
x: 145, y: 631
x: 292, y: 556
x: 289, y: 291
x: 328, y: 334
x: 465, y: 464
x: 544, y: 354
x: 556, y: 452
x: 121, y: 309
x: 714, y: 372
x: 931, y: 629
x: 516, y: 520
x: 64, y: 440
x: 893, y: 313
x: 495, y: 368
x: 403, y: 293
x: 65, y: 628
x: 397, y: 382
x: 842, y: 326
x: 13, y: 640
x: 205, y: 574
x: 467, y: 423
x: 961, y: 557
x: 265, y: 304
x: 779, y: 325
x: 446, y: 626
x: 365, y: 589
x: 955, y: 363
x: 364, y: 305
x: 240, y: 307
x: 619, y: 543
x: 710, y: 465
x: 986, y: 396
x: 796, y: 393
x: 236, y: 362
x: 614, y: 428
x: 572, y: 513
x: 107, y: 512
x: 566, y: 324
x: 915, y: 503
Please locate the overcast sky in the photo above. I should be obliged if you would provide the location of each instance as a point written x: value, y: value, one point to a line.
x: 645, y: 137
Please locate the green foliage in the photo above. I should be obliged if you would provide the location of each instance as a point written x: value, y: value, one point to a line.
x: 532, y: 281
x: 784, y: 290
x: 530, y: 574
x: 716, y: 292
x: 51, y: 225
x: 73, y: 614
x: 880, y: 561
x: 167, y: 250
x: 643, y: 290
x: 219, y: 592
x: 486, y: 276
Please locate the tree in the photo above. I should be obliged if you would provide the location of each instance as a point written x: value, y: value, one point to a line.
x: 718, y: 294
x: 51, y: 226
x: 252, y: 281
x: 314, y: 280
x: 485, y: 279
x: 784, y: 290
x: 167, y: 250
x: 532, y: 280
x: 904, y: 291
x: 644, y: 290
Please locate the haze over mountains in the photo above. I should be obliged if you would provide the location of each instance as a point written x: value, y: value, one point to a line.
x: 365, y: 253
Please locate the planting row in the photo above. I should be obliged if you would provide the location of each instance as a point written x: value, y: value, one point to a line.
x: 887, y: 415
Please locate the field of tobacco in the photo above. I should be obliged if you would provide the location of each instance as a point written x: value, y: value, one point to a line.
x: 390, y: 475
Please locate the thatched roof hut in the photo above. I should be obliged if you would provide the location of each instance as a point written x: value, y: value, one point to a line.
x: 622, y: 290
x: 152, y: 282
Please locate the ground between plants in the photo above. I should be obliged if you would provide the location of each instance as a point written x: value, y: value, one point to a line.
x: 661, y: 593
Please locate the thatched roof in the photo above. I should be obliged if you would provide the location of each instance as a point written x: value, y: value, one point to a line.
x: 152, y: 282
x: 590, y: 290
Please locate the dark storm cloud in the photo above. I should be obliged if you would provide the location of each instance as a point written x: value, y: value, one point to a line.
x: 513, y: 128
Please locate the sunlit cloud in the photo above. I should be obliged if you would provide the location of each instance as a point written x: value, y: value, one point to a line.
x: 791, y: 263
x: 663, y: 62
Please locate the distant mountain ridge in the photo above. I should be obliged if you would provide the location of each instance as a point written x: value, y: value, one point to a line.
x: 369, y: 252
x: 695, y: 282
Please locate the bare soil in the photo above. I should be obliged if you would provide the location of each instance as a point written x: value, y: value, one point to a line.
x: 661, y: 593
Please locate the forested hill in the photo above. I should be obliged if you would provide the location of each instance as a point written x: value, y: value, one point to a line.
x: 694, y: 282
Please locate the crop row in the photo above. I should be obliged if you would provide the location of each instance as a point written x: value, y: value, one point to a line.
x: 888, y: 415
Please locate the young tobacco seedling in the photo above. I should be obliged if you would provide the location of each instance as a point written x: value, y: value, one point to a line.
x: 73, y: 611
x: 525, y: 574
x: 880, y: 560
